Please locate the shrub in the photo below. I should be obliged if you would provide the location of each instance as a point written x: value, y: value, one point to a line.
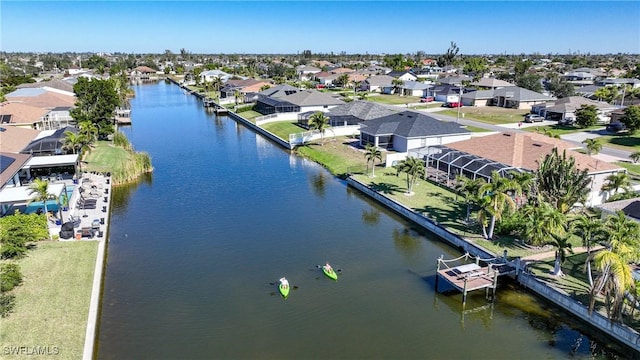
x: 10, y: 277
x: 18, y: 230
x: 241, y: 109
x: 7, y: 302
x: 120, y: 140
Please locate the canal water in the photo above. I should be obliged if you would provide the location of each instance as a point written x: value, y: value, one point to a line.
x: 195, y: 250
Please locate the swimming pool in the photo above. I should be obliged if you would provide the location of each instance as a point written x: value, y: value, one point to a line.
x: 52, y: 205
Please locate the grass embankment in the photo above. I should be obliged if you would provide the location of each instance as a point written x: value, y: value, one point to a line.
x: 119, y: 158
x: 282, y: 129
x: 52, y: 304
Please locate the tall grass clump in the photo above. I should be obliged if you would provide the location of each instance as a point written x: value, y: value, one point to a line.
x: 136, y: 164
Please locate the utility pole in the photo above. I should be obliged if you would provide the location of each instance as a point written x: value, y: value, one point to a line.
x: 459, y: 103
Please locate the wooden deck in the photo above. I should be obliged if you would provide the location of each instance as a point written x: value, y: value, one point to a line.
x: 468, y: 278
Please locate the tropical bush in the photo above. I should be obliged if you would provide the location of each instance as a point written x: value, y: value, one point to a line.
x: 120, y: 140
x: 10, y: 277
x: 18, y: 230
x: 241, y: 109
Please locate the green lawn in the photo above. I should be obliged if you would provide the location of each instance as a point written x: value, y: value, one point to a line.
x: 105, y: 157
x: 560, y: 129
x: 633, y: 169
x: 624, y: 142
x: 427, y: 105
x: 52, y: 304
x: 250, y: 115
x: 282, y: 129
x: 475, y: 128
x: 489, y: 115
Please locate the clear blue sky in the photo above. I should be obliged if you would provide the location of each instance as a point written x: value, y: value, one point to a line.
x: 478, y: 27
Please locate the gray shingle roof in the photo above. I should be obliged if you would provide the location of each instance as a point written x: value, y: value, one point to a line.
x: 311, y: 98
x: 279, y: 91
x: 411, y: 124
x: 415, y: 85
x: 363, y: 110
x: 380, y: 80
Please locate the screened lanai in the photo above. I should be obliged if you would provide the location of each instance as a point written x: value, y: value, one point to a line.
x: 451, y: 163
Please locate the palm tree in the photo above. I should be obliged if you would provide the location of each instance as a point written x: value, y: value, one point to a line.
x: 72, y: 141
x: 615, y: 277
x: 319, y: 121
x: 593, y: 146
x: 527, y: 183
x: 542, y: 220
x: 40, y: 188
x: 343, y: 80
x: 89, y: 131
x: 237, y: 95
x: 371, y: 154
x: 562, y: 244
x: 616, y: 182
x: 500, y: 190
x: 560, y: 183
x: 397, y: 83
x: 414, y: 168
x: 590, y: 230
x: 469, y: 189
x: 635, y: 157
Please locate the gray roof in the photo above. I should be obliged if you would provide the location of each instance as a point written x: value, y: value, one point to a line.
x: 454, y: 80
x: 380, y: 80
x: 363, y: 110
x: 571, y: 103
x: 478, y: 95
x: 491, y: 82
x: 279, y: 91
x: 311, y: 98
x: 517, y: 93
x: 53, y: 83
x: 588, y: 90
x: 411, y: 124
x: 416, y: 85
x: 631, y: 207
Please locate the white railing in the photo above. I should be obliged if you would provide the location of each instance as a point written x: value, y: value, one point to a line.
x: 260, y: 119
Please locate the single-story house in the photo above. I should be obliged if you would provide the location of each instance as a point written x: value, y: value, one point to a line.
x: 445, y: 92
x: 209, y: 75
x: 10, y: 166
x: 415, y: 88
x: 352, y: 113
x: 565, y: 108
x: 503, y: 152
x: 45, y: 97
x: 454, y: 80
x: 49, y: 142
x: 409, y: 130
x: 22, y: 115
x: 634, y: 83
x: 377, y: 83
x: 299, y: 101
x: 279, y: 91
x: 507, y: 97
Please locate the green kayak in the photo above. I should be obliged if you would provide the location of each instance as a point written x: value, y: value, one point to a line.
x: 284, y: 287
x: 328, y: 270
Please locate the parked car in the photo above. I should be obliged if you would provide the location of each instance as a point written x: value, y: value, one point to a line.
x: 567, y: 121
x: 531, y: 118
x: 453, y: 104
x: 616, y: 127
x: 426, y: 99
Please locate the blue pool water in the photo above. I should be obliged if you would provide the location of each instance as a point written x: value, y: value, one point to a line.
x: 52, y: 205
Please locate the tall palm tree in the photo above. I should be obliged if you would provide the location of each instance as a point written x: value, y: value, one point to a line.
x: 72, y: 141
x: 593, y: 146
x: 590, y: 230
x: 527, y: 183
x: 469, y: 188
x: 616, y: 182
x: 560, y: 183
x: 319, y: 121
x: 40, y: 188
x: 89, y: 131
x: 343, y: 79
x: 371, y: 154
x: 414, y: 168
x: 500, y: 190
x: 563, y: 246
x: 237, y: 95
x: 615, y: 277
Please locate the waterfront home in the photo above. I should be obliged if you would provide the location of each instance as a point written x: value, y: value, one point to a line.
x: 53, y: 84
x: 630, y: 207
x: 409, y: 130
x: 350, y: 114
x: 503, y: 152
x: 45, y: 97
x: 296, y: 102
x: 209, y: 75
x: 415, y: 88
x: 49, y: 142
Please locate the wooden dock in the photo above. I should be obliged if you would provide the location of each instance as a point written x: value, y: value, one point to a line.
x: 471, y: 276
